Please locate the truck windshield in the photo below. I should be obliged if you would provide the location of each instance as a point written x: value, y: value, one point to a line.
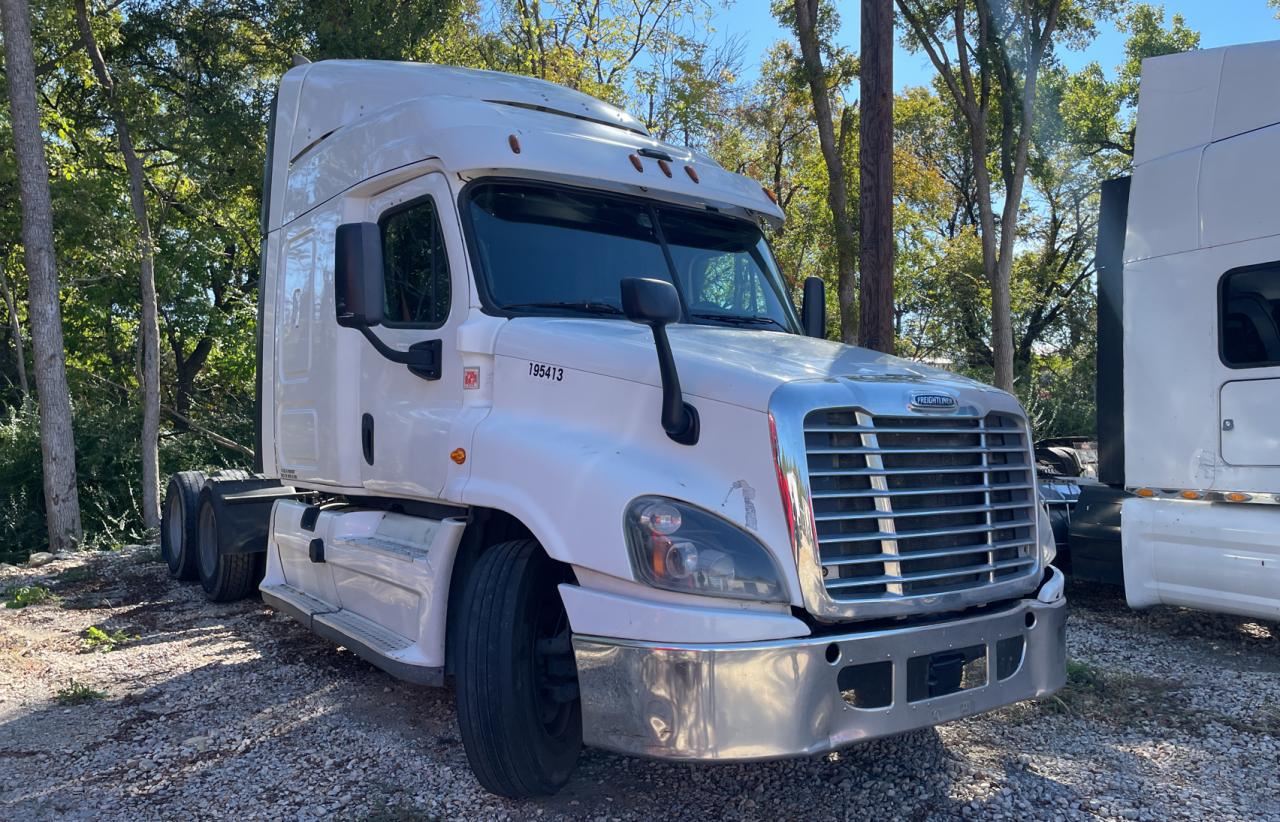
x: 551, y: 250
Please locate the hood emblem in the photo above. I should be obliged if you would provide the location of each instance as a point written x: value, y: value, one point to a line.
x: 933, y: 402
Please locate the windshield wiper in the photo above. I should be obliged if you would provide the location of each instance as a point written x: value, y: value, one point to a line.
x: 586, y: 306
x: 738, y: 319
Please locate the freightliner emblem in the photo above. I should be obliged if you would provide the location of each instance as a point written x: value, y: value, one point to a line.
x: 933, y: 402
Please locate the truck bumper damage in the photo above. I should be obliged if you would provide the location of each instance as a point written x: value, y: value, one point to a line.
x: 783, y: 698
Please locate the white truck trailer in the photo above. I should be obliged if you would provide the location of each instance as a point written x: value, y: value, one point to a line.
x: 1189, y: 344
x: 537, y: 414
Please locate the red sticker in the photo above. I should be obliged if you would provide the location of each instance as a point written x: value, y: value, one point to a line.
x: 470, y: 379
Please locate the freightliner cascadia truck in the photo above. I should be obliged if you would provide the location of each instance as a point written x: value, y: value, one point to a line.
x: 538, y: 419
x: 1188, y: 509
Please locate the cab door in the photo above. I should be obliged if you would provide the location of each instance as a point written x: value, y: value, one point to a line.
x: 405, y: 418
x: 1249, y: 315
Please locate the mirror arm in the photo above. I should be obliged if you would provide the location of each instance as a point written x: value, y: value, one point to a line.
x: 422, y: 358
x: 679, y: 418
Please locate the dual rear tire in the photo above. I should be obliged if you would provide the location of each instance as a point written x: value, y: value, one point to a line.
x: 189, y: 539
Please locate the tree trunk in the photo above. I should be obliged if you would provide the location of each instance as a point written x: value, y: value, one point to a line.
x: 15, y: 330
x: 837, y: 192
x: 875, y: 157
x: 150, y: 331
x: 57, y: 443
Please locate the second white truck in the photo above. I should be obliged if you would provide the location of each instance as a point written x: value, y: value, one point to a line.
x: 538, y: 417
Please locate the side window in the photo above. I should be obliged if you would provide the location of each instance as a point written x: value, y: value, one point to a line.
x: 1249, y: 316
x: 415, y: 266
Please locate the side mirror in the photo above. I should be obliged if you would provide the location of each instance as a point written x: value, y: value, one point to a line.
x: 650, y: 302
x: 813, y: 309
x: 357, y: 275
x: 656, y: 304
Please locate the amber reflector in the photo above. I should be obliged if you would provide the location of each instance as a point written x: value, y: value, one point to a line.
x: 459, y: 456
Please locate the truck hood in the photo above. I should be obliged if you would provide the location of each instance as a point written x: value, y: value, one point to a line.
x: 738, y: 366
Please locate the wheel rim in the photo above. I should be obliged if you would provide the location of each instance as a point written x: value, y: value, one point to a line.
x: 208, y: 542
x: 177, y: 528
x: 554, y: 672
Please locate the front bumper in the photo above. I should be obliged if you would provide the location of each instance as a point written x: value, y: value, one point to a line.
x: 769, y: 700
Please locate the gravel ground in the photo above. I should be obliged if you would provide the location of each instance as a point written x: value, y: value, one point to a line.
x: 236, y: 711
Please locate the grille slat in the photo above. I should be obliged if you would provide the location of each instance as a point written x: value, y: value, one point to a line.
x: 889, y: 451
x: 979, y: 548
x: 907, y: 492
x: 859, y: 582
x: 912, y: 506
x: 921, y: 512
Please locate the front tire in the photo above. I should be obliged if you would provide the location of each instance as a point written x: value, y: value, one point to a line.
x: 179, y: 524
x: 224, y: 577
x: 518, y: 705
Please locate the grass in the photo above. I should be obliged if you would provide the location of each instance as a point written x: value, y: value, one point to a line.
x: 78, y: 693
x: 24, y: 595
x: 97, y: 639
x: 1110, y: 696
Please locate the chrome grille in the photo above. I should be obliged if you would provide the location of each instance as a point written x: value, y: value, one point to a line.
x: 917, y: 506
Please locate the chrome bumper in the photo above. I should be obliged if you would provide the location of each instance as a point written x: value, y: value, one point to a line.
x: 768, y: 700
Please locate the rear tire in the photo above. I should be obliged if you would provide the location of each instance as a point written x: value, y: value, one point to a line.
x: 518, y: 706
x: 224, y: 577
x: 180, y: 524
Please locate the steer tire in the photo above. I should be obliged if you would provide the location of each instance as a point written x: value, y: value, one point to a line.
x: 180, y: 524
x: 224, y: 577
x: 518, y: 706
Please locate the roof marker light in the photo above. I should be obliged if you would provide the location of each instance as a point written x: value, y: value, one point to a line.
x: 769, y: 193
x: 514, y: 142
x: 665, y: 166
x: 693, y: 173
x: 635, y: 161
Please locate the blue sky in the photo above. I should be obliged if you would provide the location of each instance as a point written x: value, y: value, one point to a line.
x: 1220, y: 23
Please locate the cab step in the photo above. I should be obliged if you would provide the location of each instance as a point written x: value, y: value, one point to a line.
x: 376, y: 645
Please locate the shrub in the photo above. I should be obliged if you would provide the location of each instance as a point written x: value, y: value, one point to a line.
x: 24, y: 595
x: 77, y: 693
x: 97, y: 639
x: 107, y: 469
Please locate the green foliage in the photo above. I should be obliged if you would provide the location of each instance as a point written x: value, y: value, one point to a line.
x: 24, y: 595
x: 106, y: 430
x: 98, y: 639
x: 78, y: 693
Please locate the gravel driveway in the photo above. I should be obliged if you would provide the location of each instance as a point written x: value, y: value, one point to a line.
x: 235, y: 711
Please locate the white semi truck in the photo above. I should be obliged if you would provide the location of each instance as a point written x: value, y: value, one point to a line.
x: 1189, y: 344
x: 537, y: 415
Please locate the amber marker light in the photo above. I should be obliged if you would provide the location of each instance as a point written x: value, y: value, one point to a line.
x: 769, y: 193
x: 458, y: 455
x: 1236, y: 496
x: 514, y: 142
x: 665, y: 166
x: 692, y: 172
x: 635, y: 161
x: 1145, y: 492
x: 1190, y: 494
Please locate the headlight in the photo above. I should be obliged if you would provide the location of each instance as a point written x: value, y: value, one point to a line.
x: 1048, y: 546
x: 677, y: 547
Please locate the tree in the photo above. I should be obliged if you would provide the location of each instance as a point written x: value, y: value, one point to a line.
x: 57, y: 444
x: 992, y: 76
x: 1099, y: 113
x: 15, y: 333
x: 812, y: 23
x: 150, y: 325
x: 875, y: 163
